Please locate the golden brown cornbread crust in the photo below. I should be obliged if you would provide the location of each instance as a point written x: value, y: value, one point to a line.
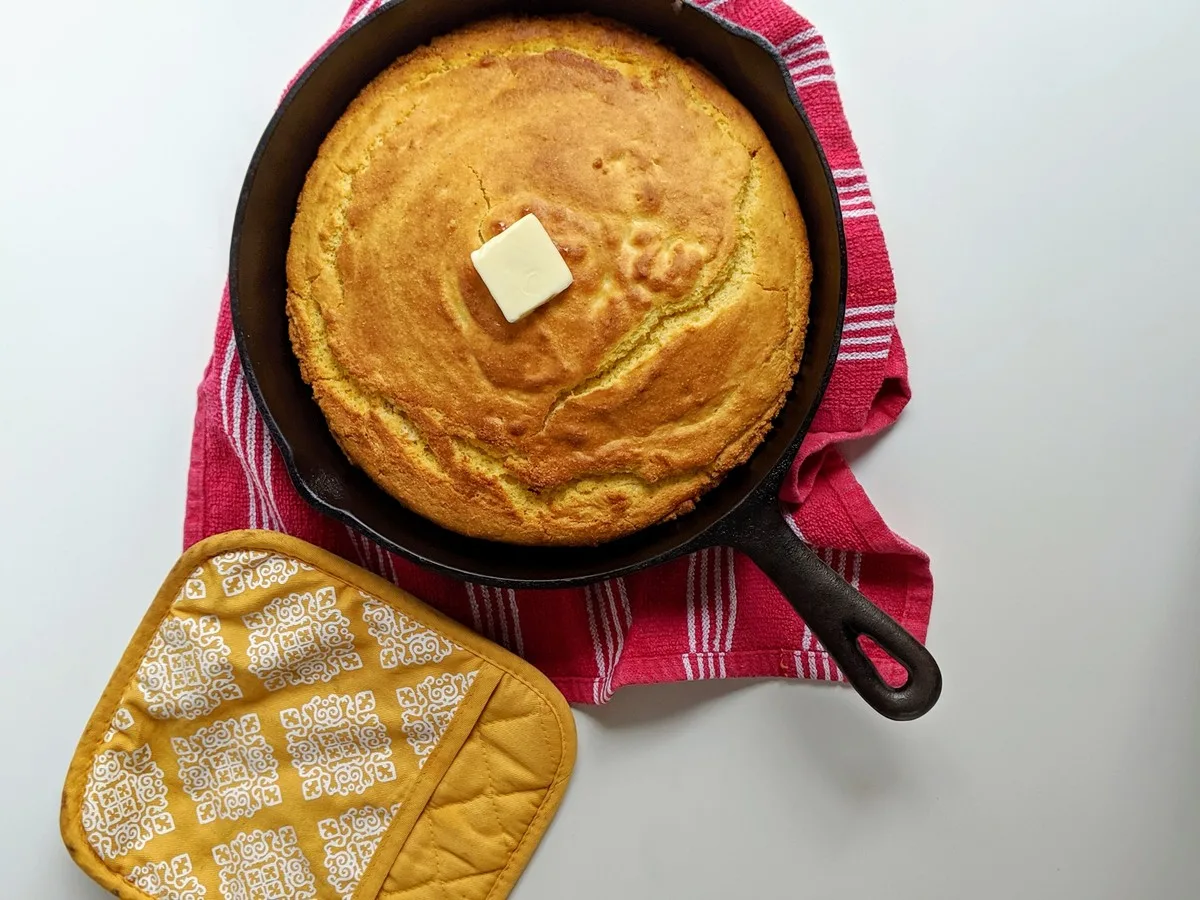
x: 618, y: 403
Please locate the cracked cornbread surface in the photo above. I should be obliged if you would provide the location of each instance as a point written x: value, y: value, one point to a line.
x: 620, y: 402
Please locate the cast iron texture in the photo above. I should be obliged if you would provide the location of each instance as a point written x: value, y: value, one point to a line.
x: 742, y: 511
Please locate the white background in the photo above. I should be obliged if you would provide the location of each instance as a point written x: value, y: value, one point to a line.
x: 1037, y: 170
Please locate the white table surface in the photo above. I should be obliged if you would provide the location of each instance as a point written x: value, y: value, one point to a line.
x: 1037, y: 170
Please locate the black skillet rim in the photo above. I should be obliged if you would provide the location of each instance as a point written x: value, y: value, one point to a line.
x: 766, y: 488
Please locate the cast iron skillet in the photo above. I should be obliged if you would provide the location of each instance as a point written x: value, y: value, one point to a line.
x: 742, y: 511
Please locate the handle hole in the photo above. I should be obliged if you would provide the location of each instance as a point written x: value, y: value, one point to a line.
x: 891, y: 670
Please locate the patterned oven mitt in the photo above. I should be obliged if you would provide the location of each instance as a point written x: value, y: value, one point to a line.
x: 287, y: 725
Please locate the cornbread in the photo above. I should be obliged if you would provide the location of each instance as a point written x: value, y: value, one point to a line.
x: 621, y: 401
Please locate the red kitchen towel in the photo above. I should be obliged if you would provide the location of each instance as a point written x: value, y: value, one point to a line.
x: 710, y: 615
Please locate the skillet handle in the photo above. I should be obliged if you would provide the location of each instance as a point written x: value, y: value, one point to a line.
x: 838, y: 614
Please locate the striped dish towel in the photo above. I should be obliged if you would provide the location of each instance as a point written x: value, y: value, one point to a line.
x: 710, y: 615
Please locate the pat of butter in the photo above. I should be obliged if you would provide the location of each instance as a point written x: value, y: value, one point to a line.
x: 522, y: 268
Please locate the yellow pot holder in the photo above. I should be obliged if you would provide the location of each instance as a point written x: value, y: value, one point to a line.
x: 288, y: 726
